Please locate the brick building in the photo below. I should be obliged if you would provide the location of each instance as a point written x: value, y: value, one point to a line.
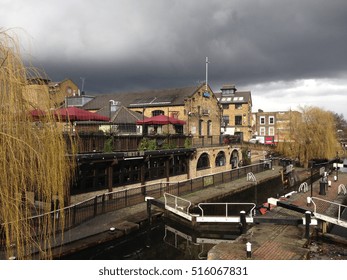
x: 273, y: 126
x: 196, y: 105
x: 237, y: 111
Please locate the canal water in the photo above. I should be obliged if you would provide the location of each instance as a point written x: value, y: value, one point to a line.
x: 167, y: 241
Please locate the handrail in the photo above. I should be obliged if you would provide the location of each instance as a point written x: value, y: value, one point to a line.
x: 177, y: 207
x: 251, y: 214
x: 331, y: 202
x: 342, y: 188
x: 251, y: 177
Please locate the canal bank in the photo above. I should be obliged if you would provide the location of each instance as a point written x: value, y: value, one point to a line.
x: 124, y: 222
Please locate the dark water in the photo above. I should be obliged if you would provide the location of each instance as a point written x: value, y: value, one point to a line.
x: 162, y: 242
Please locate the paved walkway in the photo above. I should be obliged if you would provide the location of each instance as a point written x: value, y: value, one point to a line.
x: 280, y: 242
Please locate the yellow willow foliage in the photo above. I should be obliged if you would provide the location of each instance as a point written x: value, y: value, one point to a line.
x: 33, y: 163
x: 312, y: 135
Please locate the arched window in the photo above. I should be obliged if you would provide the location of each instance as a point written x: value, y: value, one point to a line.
x: 157, y: 113
x: 203, y: 162
x: 220, y: 159
x: 234, y: 159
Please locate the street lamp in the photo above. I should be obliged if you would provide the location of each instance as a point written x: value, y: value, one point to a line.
x: 337, y: 166
x: 312, y: 164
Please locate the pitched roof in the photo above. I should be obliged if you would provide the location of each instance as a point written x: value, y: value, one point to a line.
x: 122, y: 116
x: 160, y: 97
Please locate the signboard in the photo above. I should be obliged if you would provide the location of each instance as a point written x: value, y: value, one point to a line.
x: 206, y: 94
x: 269, y: 140
x: 208, y: 180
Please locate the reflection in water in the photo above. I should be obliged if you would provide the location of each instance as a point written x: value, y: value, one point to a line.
x: 162, y: 242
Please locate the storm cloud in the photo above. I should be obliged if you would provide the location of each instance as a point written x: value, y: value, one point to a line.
x: 265, y: 46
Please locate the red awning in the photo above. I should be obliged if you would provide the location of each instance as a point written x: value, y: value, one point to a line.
x: 37, y: 114
x: 161, y: 119
x: 76, y: 114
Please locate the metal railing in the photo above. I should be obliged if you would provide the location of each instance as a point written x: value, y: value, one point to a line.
x: 225, y: 209
x: 322, y: 207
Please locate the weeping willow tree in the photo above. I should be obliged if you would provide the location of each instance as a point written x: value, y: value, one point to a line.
x: 312, y: 135
x: 34, y: 172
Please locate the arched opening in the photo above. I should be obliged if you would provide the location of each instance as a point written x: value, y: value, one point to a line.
x: 220, y: 159
x: 203, y: 162
x: 234, y: 159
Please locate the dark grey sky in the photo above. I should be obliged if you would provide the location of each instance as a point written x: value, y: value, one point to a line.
x: 287, y: 53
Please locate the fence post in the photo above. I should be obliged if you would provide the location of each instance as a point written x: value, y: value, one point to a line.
x: 103, y: 203
x: 126, y: 197
x: 95, y: 206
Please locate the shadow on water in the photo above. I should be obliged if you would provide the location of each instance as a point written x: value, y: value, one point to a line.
x: 162, y: 242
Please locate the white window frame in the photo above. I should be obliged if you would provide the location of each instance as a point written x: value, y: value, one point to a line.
x: 262, y: 120
x: 271, y: 118
x: 262, y: 131
x: 271, y: 131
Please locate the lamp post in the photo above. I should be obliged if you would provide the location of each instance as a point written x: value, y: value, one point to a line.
x: 312, y: 163
x: 337, y: 166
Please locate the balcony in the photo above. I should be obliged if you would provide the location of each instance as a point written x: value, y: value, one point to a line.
x: 98, y: 142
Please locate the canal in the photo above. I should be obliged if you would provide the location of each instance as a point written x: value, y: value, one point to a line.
x: 166, y: 240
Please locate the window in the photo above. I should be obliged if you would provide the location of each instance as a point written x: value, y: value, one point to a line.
x: 225, y: 106
x: 203, y: 162
x: 271, y: 120
x: 262, y: 120
x: 209, y: 127
x: 225, y: 120
x: 238, y: 106
x: 271, y: 131
x: 238, y: 120
x: 200, y: 127
x: 262, y: 131
x: 220, y: 159
x: 157, y: 113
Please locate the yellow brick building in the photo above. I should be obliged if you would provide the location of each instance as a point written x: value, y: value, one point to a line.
x: 45, y: 94
x: 197, y: 105
x: 237, y: 112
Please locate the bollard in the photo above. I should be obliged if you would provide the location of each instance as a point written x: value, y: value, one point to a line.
x: 329, y: 184
x: 307, y: 224
x: 243, y: 223
x: 249, y: 250
x: 335, y: 178
x: 309, y: 201
x: 148, y: 199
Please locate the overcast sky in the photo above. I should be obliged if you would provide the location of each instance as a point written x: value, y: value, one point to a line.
x: 287, y: 53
